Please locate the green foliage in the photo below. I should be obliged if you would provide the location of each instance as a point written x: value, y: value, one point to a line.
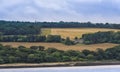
x: 72, y: 53
x: 51, y: 50
x: 31, y: 38
x: 53, y: 38
x: 34, y: 55
x: 90, y: 57
x: 100, y: 55
x: 86, y: 52
x: 68, y: 41
x: 66, y: 58
x: 27, y: 38
x: 101, y: 37
x: 12, y: 59
x: 50, y: 58
x: 17, y: 27
x: 2, y: 61
x: 31, y: 58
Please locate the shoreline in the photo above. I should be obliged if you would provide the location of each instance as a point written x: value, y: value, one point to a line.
x: 60, y: 64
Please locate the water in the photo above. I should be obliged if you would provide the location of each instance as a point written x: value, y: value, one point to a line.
x: 112, y: 68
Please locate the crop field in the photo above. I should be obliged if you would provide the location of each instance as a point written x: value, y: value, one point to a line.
x: 78, y: 47
x: 73, y: 32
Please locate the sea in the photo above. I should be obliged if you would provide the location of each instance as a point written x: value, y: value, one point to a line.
x: 107, y: 68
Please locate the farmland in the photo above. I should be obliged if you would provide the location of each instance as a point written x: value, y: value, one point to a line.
x: 73, y: 32
x: 78, y: 47
x: 36, y: 43
x: 67, y: 32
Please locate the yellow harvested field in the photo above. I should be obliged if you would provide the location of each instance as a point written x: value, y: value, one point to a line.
x: 74, y: 32
x: 60, y: 46
x: 46, y: 31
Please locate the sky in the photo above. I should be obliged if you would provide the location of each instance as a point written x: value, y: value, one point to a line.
x: 61, y: 10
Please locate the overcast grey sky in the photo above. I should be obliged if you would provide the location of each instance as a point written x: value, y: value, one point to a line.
x: 61, y: 10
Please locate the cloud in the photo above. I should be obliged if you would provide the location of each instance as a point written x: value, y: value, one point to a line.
x: 97, y: 7
x: 88, y: 1
x: 57, y: 10
x: 51, y: 4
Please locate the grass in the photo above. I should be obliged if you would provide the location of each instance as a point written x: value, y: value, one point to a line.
x: 78, y: 47
x: 46, y: 31
x: 73, y: 32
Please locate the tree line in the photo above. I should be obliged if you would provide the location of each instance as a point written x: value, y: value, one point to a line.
x: 18, y: 28
x: 102, y: 37
x: 36, y: 38
x: 91, y: 38
x: 38, y: 54
x: 26, y: 28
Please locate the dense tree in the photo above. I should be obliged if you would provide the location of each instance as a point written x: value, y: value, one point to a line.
x: 26, y: 28
x: 86, y: 52
x: 53, y: 38
x: 27, y: 55
x: 28, y: 38
x: 90, y: 57
x: 66, y: 58
x: 12, y: 59
x: 36, y: 38
x: 18, y: 28
x: 101, y: 37
x: 68, y: 41
x: 51, y: 50
x: 2, y: 61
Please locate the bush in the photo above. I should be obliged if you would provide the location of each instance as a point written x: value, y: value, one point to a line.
x: 51, y: 50
x: 68, y: 41
x: 53, y: 38
x: 90, y: 57
x: 12, y: 59
x: 66, y: 58
x: 1, y: 61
